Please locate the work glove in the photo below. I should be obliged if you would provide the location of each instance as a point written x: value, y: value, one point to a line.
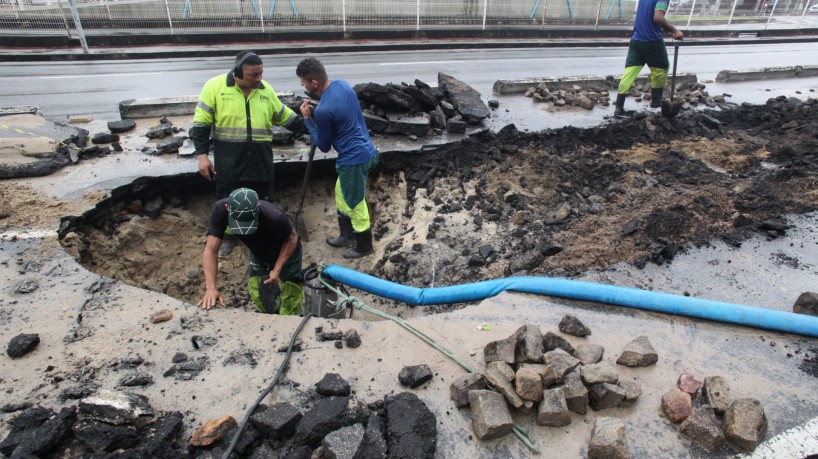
x: 298, y: 126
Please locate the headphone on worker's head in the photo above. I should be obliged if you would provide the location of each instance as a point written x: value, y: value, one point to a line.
x: 237, y: 69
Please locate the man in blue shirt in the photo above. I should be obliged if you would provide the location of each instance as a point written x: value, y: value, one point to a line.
x: 647, y: 46
x: 338, y: 122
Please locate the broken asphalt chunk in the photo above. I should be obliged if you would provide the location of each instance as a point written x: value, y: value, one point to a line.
x: 22, y: 344
x: 638, y: 353
x: 114, y: 407
x: 490, y: 415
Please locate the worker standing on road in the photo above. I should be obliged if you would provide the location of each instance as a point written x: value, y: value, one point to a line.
x: 339, y: 122
x: 235, y: 114
x: 647, y: 46
x: 275, y: 284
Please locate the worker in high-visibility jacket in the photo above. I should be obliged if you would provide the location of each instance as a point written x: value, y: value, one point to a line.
x: 235, y: 114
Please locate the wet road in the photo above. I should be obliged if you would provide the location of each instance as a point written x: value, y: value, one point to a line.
x: 63, y: 89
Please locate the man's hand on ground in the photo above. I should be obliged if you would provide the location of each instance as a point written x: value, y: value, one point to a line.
x: 210, y: 298
x: 206, y: 168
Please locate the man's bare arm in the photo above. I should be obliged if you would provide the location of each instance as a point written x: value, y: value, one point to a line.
x: 286, y: 251
x: 210, y: 266
x: 660, y: 20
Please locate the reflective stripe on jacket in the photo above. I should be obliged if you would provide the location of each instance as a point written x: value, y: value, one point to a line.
x: 240, y: 129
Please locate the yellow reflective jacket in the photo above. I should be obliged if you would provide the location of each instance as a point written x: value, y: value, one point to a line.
x: 241, y: 130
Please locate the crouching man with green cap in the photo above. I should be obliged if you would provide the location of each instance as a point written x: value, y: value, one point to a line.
x: 275, y: 285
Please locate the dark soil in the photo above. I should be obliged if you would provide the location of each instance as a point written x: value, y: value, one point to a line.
x: 809, y: 364
x: 553, y: 203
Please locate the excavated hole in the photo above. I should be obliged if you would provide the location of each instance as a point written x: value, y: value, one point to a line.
x: 553, y: 203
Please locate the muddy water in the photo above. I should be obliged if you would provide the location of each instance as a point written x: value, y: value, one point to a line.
x: 770, y: 274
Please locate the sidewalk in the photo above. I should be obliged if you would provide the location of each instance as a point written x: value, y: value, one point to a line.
x: 115, y: 47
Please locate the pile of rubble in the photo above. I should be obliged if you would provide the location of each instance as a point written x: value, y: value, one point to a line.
x: 82, y: 145
x: 529, y: 372
x: 125, y: 424
x: 588, y: 97
x: 415, y: 109
x: 330, y: 422
x: 575, y: 96
x: 743, y: 422
x: 693, y: 93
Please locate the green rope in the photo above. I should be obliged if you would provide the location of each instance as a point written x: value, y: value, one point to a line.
x: 522, y: 434
x: 518, y: 430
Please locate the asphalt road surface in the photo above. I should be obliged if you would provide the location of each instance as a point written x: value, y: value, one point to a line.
x: 94, y: 88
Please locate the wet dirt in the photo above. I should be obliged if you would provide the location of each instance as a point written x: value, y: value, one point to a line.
x: 558, y: 202
x: 562, y: 202
x: 21, y: 206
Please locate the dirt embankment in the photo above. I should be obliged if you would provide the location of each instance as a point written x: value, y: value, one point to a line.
x: 496, y: 204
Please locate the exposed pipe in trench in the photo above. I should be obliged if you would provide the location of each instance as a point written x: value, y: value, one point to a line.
x: 738, y: 314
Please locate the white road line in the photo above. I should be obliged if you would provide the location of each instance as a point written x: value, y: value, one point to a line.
x: 60, y: 77
x: 27, y: 234
x: 423, y: 62
x: 794, y: 443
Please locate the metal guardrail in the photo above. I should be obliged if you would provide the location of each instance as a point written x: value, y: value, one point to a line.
x: 104, y: 17
x: 171, y: 16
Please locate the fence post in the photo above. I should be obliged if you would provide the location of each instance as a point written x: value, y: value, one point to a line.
x: 690, y: 16
x: 260, y: 15
x: 732, y: 11
x: 771, y: 14
x: 170, y: 23
x: 344, y: 14
x: 485, y: 10
x: 76, y: 14
x: 64, y: 19
x: 544, y: 7
x: 417, y: 15
x: 598, y: 11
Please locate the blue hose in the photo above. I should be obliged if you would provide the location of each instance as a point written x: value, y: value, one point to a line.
x: 587, y: 291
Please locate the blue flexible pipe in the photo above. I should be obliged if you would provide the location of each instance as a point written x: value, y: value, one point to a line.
x: 587, y: 291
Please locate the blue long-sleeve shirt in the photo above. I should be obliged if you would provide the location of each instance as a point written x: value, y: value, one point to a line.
x: 644, y: 29
x: 339, y: 122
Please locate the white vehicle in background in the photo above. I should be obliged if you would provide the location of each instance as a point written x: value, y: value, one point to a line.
x: 813, y: 9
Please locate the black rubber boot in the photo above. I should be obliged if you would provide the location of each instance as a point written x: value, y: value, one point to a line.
x: 619, y: 105
x: 656, y: 97
x: 345, y: 239
x: 363, y: 245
